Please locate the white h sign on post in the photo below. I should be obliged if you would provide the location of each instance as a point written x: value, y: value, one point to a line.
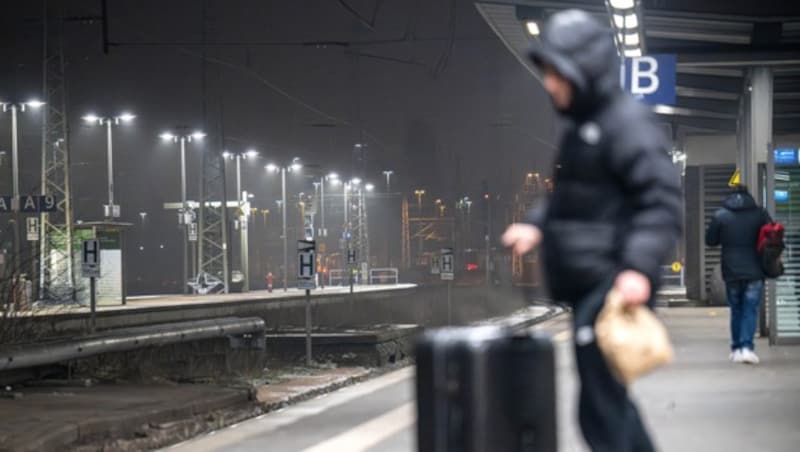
x: 306, y: 264
x: 447, y: 267
x: 90, y: 258
x: 33, y: 229
x: 192, y: 232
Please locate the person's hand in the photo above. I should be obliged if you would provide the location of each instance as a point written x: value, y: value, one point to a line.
x: 634, y: 287
x: 522, y: 237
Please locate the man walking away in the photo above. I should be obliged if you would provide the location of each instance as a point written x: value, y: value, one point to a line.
x: 613, y: 216
x: 736, y: 226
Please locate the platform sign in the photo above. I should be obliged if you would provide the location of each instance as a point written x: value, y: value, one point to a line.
x: 29, y: 204
x: 308, y: 226
x: 48, y: 203
x: 651, y: 78
x: 786, y: 156
x: 306, y: 264
x: 90, y: 258
x: 351, y: 256
x: 32, y: 228
x: 447, y: 264
x: 436, y: 263
x: 5, y: 204
x: 192, y: 231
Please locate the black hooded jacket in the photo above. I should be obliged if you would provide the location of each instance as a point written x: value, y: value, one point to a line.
x: 616, y: 203
x: 736, y: 226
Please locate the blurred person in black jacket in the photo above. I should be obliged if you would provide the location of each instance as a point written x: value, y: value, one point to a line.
x: 614, y: 214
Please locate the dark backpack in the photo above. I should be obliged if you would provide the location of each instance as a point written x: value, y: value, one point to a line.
x: 770, y: 248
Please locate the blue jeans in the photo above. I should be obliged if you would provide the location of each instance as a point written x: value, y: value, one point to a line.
x: 744, y: 298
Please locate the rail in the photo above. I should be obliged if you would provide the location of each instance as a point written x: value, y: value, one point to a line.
x: 384, y: 276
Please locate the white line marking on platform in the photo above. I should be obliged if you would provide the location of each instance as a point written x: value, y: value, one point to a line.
x: 370, y: 433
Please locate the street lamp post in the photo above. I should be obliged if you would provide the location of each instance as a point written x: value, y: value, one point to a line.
x: 295, y: 165
x: 420, y: 193
x: 389, y: 231
x: 15, y: 108
x: 388, y: 174
x: 111, y: 211
x: 242, y: 215
x: 185, y: 219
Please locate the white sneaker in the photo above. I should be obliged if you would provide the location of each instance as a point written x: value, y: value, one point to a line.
x: 736, y: 355
x: 749, y: 357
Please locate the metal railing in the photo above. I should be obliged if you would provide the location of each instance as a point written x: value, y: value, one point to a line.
x: 384, y: 276
x: 337, y: 277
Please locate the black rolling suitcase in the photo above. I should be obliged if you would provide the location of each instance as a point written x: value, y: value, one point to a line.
x: 485, y: 389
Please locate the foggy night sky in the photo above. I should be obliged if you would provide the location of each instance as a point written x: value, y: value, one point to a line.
x: 479, y: 114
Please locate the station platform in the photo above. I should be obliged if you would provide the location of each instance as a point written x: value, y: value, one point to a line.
x: 178, y: 300
x: 701, y: 403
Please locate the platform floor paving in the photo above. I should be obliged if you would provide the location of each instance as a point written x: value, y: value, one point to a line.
x: 701, y: 403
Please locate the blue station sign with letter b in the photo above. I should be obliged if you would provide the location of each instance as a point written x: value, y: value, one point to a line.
x: 651, y: 78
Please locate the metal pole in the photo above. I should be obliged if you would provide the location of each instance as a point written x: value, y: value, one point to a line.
x: 308, y: 327
x: 185, y: 216
x: 243, y: 256
x: 324, y: 234
x: 110, y: 170
x: 322, y: 206
x: 285, y: 242
x: 92, y: 305
x: 239, y: 179
x: 346, y: 209
x: 488, y: 240
x: 449, y: 302
x: 15, y: 182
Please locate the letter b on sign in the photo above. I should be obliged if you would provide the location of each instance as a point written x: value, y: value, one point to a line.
x: 651, y: 78
x: 644, y: 75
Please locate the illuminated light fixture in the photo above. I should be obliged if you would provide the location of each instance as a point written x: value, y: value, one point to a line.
x: 333, y: 176
x: 622, y: 4
x: 296, y: 165
x: 91, y: 118
x: 355, y: 181
x: 226, y: 154
x: 632, y: 39
x: 198, y: 135
x: 533, y: 28
x: 369, y: 187
x: 627, y: 22
x: 631, y: 21
x: 166, y: 136
x: 126, y: 117
x: 632, y: 53
x: 34, y: 103
x: 272, y: 167
x: 252, y: 153
x: 664, y: 109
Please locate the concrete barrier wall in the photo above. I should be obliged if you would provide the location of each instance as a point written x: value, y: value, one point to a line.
x: 424, y: 305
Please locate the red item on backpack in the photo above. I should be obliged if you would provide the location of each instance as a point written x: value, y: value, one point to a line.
x: 770, y: 235
x: 770, y: 247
